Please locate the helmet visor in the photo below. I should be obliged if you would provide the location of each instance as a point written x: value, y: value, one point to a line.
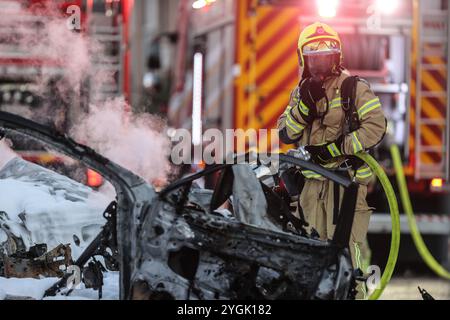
x: 321, y: 47
x: 321, y: 64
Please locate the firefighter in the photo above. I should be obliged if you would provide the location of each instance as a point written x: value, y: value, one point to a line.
x: 319, y: 117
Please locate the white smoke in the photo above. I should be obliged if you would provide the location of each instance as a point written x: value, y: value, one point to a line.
x: 136, y: 142
x: 6, y: 153
x: 68, y: 49
x: 45, y: 37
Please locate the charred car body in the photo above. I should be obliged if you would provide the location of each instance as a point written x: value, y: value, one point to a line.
x: 180, y: 243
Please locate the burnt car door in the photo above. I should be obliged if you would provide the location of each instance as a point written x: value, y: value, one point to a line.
x: 133, y: 194
x: 178, y: 243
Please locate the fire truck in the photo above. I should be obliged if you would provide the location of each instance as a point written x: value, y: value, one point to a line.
x: 29, y: 78
x: 237, y: 65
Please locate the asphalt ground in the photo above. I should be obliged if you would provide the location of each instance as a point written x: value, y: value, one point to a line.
x: 405, y: 288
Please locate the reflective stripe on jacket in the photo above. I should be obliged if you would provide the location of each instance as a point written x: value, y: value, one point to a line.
x: 370, y: 113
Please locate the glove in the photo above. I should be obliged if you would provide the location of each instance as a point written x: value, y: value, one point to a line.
x: 310, y: 91
x: 324, y: 153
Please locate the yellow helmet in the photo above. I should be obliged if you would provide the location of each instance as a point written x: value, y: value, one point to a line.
x: 318, y: 38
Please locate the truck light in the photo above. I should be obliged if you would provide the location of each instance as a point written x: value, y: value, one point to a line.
x: 17, y: 96
x: 327, y: 8
x: 199, y: 4
x: 6, y: 96
x: 436, y: 183
x: 387, y: 6
x: 94, y: 179
x: 29, y: 99
x: 197, y: 99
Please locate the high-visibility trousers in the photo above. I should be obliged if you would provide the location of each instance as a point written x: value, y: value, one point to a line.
x: 317, y: 203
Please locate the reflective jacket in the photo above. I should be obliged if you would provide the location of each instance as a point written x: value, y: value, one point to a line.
x: 373, y: 124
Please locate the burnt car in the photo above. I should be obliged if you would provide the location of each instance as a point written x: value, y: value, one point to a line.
x: 181, y: 242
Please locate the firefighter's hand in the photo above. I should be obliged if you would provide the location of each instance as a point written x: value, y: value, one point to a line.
x: 324, y: 153
x: 310, y: 92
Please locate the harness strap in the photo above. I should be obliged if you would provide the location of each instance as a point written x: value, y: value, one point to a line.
x: 336, y: 198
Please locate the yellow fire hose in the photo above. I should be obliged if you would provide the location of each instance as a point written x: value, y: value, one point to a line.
x: 406, y: 201
x: 395, y: 218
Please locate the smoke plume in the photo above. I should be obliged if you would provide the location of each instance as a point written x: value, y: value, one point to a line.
x: 135, y: 141
x: 6, y: 154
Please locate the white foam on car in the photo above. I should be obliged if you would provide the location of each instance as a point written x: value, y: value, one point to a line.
x: 46, y: 207
x: 25, y: 288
